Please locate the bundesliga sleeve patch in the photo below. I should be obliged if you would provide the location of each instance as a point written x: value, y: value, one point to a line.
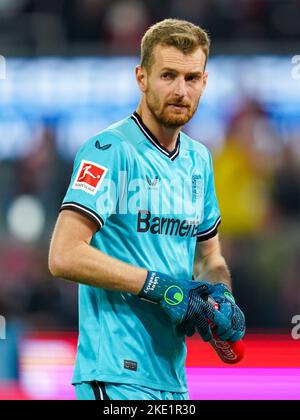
x: 89, y: 178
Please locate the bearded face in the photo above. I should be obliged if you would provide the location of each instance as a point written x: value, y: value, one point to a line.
x: 174, y: 85
x: 173, y: 112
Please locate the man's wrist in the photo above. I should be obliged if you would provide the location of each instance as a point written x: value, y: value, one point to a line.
x: 224, y: 283
x: 152, y: 290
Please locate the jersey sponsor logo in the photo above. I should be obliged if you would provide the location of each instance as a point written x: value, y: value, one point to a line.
x: 166, y: 225
x: 90, y: 176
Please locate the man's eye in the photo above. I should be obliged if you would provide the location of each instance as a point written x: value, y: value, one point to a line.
x: 167, y: 75
x: 193, y: 78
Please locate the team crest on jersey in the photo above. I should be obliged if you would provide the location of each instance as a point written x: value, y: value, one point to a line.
x: 197, y: 186
x: 90, y: 176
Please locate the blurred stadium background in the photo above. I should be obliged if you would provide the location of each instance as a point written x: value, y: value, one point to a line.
x: 69, y: 73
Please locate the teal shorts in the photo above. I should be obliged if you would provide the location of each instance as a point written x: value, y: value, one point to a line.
x: 112, y: 391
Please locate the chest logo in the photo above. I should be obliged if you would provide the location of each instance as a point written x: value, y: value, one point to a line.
x: 152, y: 182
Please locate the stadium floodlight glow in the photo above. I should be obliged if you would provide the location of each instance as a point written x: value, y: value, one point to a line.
x: 2, y: 68
x: 26, y: 218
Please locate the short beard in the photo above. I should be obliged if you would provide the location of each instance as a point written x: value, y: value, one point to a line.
x: 165, y: 120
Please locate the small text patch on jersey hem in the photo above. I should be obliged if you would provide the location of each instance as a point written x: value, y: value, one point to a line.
x: 89, y: 177
x: 131, y: 365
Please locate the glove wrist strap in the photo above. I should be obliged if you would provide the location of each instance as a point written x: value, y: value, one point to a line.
x: 152, y: 289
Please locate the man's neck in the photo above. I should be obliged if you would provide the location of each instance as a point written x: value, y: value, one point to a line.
x: 165, y: 135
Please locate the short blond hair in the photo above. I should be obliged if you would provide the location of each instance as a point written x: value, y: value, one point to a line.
x: 180, y: 34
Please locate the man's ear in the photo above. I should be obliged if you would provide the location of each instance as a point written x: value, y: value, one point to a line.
x: 204, y: 82
x: 141, y: 77
x: 205, y: 77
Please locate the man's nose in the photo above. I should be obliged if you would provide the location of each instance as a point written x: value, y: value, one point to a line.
x: 180, y: 88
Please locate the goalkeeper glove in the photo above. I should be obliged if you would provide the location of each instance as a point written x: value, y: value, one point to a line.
x: 181, y: 301
x: 235, y: 327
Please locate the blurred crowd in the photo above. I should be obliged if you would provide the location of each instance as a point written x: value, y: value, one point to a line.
x: 258, y: 184
x: 117, y: 25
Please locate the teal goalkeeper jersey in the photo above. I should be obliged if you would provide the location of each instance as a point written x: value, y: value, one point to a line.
x: 151, y: 206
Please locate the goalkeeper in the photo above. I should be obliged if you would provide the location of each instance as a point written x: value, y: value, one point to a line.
x: 139, y: 219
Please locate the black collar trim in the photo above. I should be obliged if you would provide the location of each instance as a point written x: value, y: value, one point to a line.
x: 139, y: 122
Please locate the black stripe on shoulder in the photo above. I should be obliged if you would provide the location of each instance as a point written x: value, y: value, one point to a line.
x: 209, y: 233
x: 91, y: 214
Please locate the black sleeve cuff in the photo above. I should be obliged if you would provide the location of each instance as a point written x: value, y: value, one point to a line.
x: 209, y: 233
x: 91, y: 214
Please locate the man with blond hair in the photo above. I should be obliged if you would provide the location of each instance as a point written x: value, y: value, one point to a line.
x: 138, y: 222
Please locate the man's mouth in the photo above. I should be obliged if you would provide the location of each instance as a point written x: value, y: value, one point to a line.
x: 179, y: 106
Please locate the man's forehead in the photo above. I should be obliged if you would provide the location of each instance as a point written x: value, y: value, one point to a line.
x: 173, y: 58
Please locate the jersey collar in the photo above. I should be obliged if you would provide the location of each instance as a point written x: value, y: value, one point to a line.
x: 151, y: 137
